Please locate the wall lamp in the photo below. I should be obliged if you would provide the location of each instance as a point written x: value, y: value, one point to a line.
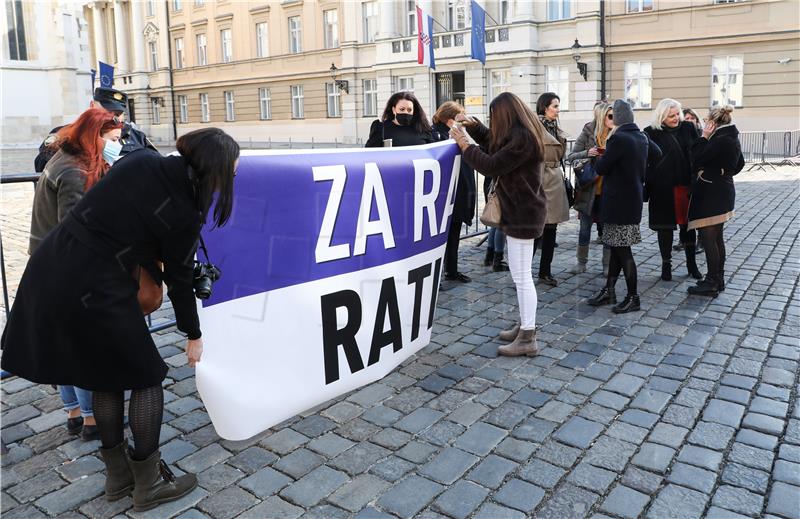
x: 576, y: 55
x: 342, y: 84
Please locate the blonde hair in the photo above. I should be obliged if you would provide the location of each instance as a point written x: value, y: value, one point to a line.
x: 661, y: 111
x: 448, y: 110
x: 600, y: 112
x: 721, y: 115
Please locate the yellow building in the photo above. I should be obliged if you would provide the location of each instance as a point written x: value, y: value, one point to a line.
x: 262, y: 69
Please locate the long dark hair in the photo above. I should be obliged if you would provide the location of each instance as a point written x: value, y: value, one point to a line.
x: 511, y: 121
x: 419, y: 122
x: 212, y: 154
x: 544, y: 101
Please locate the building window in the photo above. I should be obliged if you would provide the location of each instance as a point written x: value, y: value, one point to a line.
x: 403, y: 84
x: 332, y: 95
x: 199, y: 3
x: 262, y: 48
x: 557, y: 81
x: 295, y: 35
x: 558, y: 9
x: 154, y: 102
x: 150, y: 7
x: 499, y: 82
x: 504, y: 7
x: 639, y: 83
x: 176, y: 5
x: 726, y: 80
x: 331, y: 22
x: 370, y: 97
x: 456, y: 14
x: 202, y: 56
x: 153, y: 55
x: 638, y: 6
x: 18, y: 49
x: 297, y: 101
x: 411, y: 17
x: 265, y: 103
x: 205, y: 113
x: 227, y: 45
x: 230, y: 114
x: 178, y: 52
x: 184, y: 109
x: 369, y: 13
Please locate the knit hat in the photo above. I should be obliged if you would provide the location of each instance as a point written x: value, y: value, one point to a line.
x: 622, y: 113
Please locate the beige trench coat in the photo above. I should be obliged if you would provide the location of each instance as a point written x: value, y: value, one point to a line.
x: 553, y: 179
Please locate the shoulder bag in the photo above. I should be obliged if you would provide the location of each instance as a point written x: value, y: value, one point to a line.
x: 151, y: 292
x: 492, y: 214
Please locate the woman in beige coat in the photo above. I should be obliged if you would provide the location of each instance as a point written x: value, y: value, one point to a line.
x: 555, y: 146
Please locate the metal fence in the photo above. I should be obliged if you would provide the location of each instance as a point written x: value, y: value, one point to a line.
x: 771, y: 148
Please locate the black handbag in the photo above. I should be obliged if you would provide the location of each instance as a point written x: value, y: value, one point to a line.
x: 570, y: 190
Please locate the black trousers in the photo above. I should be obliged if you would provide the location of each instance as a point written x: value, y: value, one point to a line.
x: 451, y: 252
x: 547, y: 242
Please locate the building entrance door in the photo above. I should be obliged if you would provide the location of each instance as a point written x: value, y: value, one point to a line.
x: 450, y: 87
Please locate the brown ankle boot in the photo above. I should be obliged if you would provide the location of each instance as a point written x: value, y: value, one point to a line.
x: 156, y: 484
x: 119, y: 478
x: 510, y: 334
x: 524, y: 344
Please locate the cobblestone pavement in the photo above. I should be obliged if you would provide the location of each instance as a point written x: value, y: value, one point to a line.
x: 688, y: 408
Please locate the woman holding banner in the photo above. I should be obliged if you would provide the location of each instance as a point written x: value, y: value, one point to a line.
x: 403, y: 123
x: 77, y: 320
x: 515, y: 158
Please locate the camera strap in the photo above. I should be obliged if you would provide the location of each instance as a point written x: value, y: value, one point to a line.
x: 203, y: 248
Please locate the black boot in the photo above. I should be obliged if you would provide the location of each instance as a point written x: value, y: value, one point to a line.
x: 119, y: 478
x: 666, y: 270
x: 489, y: 257
x: 629, y: 304
x: 606, y: 296
x: 498, y: 265
x: 705, y: 287
x: 691, y: 263
x: 155, y: 483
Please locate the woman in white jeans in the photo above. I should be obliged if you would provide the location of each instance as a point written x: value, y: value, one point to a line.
x: 515, y: 147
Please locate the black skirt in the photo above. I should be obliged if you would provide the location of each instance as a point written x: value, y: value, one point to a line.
x: 78, y: 322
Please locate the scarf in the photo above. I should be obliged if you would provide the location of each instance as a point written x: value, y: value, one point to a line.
x: 550, y: 126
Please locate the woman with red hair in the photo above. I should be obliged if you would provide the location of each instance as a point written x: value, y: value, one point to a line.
x: 85, y: 152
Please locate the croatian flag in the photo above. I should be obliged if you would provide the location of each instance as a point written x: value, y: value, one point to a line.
x: 424, y: 39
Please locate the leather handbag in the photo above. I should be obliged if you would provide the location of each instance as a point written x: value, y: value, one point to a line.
x: 151, y: 292
x: 492, y: 213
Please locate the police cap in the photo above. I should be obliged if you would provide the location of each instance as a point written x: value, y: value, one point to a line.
x: 112, y: 100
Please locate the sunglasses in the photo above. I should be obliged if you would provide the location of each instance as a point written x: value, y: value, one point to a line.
x: 610, y: 116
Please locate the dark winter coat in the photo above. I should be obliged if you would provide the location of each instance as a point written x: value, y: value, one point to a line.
x: 76, y: 318
x: 464, y: 207
x: 400, y: 135
x: 518, y: 176
x: 673, y: 169
x: 716, y: 160
x: 623, y: 168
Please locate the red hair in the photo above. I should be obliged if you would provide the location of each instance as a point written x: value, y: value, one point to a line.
x: 82, y: 139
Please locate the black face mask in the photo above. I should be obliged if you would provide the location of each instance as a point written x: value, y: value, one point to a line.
x: 404, y: 119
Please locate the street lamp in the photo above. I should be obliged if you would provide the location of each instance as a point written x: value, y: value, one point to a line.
x: 576, y: 55
x: 342, y: 84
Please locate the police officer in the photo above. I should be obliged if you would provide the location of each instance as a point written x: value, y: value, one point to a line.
x: 114, y: 101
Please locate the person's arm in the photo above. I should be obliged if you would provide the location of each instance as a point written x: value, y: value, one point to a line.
x: 375, y: 139
x: 178, y: 250
x: 613, y: 153
x: 580, y: 150
x: 497, y: 164
x: 479, y: 133
x: 69, y: 190
x: 654, y: 152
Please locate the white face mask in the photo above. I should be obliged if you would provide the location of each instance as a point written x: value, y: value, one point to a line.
x: 112, y: 151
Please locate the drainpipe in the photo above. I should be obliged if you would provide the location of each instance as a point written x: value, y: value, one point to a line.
x: 602, y: 49
x: 171, y: 83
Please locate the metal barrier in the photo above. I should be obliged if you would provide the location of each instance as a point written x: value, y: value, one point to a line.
x: 771, y: 148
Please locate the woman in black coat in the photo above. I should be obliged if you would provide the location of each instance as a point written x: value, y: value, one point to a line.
x: 667, y: 184
x: 464, y: 206
x: 77, y: 321
x: 623, y: 169
x: 403, y: 122
x: 717, y: 157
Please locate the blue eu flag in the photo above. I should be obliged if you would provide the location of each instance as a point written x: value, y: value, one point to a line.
x: 106, y: 75
x: 478, y: 33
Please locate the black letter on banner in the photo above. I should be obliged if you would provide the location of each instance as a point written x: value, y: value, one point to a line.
x: 434, y: 291
x: 386, y: 300
x: 333, y: 337
x: 417, y: 277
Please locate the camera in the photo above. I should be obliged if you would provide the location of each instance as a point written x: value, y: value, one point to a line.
x: 205, y: 274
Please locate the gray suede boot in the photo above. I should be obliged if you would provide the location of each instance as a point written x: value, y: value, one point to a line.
x: 510, y: 334
x: 156, y: 484
x: 524, y: 344
x: 582, y: 257
x: 119, y: 478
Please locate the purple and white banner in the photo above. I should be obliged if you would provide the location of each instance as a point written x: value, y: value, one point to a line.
x: 330, y: 272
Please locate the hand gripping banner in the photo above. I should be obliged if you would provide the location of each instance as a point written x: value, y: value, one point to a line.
x: 330, y: 273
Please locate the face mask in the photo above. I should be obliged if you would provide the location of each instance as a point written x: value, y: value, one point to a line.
x: 111, y: 151
x: 404, y: 119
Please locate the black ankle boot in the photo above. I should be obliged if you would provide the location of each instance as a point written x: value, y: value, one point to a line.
x: 606, y: 296
x: 629, y: 304
x: 666, y: 270
x: 691, y: 262
x: 489, y: 257
x: 498, y: 265
x: 705, y: 287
